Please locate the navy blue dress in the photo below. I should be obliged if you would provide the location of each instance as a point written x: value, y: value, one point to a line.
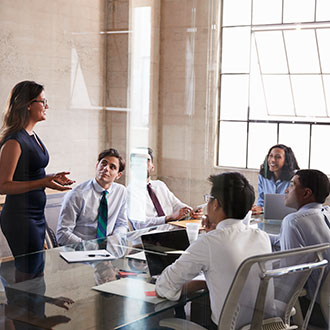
x: 22, y: 217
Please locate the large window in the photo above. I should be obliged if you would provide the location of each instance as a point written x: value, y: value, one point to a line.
x: 275, y: 81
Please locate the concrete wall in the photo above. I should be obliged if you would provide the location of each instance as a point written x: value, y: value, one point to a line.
x: 71, y: 47
x: 58, y: 44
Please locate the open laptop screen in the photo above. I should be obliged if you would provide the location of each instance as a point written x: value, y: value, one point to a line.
x: 163, y: 248
x: 275, y: 208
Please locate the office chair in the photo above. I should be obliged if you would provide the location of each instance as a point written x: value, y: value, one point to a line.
x: 264, y: 291
x: 50, y: 238
x: 325, y: 298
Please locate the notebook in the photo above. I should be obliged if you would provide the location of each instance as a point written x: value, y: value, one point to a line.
x: 275, y: 208
x: 163, y: 248
x: 132, y: 288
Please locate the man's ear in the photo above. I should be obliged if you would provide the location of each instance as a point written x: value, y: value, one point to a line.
x: 119, y: 175
x: 215, y: 204
x: 308, y: 194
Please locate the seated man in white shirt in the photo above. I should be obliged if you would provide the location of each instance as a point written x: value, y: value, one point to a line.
x: 310, y: 225
x: 162, y: 205
x: 221, y: 250
x: 97, y: 207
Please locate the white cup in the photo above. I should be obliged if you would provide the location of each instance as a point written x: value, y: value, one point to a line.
x: 192, y: 231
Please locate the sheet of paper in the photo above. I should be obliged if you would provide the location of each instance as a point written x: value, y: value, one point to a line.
x: 92, y: 255
x: 183, y: 223
x: 137, y: 256
x: 131, y: 288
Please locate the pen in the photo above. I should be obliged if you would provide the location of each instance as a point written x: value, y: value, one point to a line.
x: 98, y: 255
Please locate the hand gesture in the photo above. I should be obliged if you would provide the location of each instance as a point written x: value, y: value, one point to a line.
x: 197, y: 214
x: 62, y: 179
x: 256, y: 209
x: 62, y: 302
x: 58, y: 181
x: 179, y: 214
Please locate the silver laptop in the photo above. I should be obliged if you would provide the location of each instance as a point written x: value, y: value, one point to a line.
x: 274, y: 207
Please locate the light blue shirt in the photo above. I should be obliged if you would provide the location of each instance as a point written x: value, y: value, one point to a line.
x: 78, y: 215
x: 269, y: 186
x: 303, y: 228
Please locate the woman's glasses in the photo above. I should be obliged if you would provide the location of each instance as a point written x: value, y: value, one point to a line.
x: 44, y: 102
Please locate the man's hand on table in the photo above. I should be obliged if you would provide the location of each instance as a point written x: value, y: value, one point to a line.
x: 179, y: 214
x: 256, y: 209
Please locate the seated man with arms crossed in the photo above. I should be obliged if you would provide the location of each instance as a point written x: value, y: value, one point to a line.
x: 310, y: 225
x: 97, y: 207
x: 162, y: 205
x: 219, y: 252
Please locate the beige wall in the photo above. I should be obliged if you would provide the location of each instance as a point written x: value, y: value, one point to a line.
x: 184, y: 90
x: 87, y: 76
x: 58, y: 44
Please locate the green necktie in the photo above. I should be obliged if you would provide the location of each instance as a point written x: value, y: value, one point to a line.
x: 102, y: 216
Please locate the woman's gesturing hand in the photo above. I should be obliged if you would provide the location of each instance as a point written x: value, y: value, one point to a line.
x: 58, y: 181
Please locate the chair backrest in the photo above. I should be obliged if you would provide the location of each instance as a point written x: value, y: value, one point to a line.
x: 325, y: 297
x: 263, y: 288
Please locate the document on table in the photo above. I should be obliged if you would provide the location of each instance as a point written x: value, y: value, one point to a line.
x: 137, y: 256
x: 92, y: 255
x: 131, y: 288
x: 183, y: 223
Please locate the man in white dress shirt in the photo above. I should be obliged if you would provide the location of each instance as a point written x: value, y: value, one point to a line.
x: 78, y: 219
x: 162, y: 205
x: 221, y: 250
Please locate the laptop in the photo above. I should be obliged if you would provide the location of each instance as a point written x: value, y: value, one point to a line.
x: 163, y: 248
x: 275, y: 208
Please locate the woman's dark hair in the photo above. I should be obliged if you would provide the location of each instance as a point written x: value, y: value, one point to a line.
x: 150, y: 153
x: 16, y: 114
x: 289, y: 167
x: 233, y: 192
x: 112, y: 153
x: 316, y: 181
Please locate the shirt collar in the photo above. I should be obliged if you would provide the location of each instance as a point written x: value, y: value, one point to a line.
x: 99, y: 188
x: 276, y: 181
x: 229, y: 222
x: 311, y: 206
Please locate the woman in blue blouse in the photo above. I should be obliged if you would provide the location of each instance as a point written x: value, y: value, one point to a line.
x: 275, y: 173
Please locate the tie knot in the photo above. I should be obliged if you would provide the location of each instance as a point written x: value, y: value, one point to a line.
x: 105, y: 193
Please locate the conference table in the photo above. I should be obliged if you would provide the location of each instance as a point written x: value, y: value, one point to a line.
x: 64, y: 298
x: 43, y: 301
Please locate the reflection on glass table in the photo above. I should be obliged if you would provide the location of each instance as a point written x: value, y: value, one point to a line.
x: 63, y: 296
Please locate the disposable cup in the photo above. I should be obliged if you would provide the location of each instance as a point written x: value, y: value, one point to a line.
x: 192, y: 231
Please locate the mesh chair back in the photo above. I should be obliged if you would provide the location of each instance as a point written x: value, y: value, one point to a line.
x: 267, y: 286
x: 325, y: 298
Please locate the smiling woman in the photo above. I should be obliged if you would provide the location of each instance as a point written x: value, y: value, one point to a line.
x: 23, y: 158
x: 275, y: 173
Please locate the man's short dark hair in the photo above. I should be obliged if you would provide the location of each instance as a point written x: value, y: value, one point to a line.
x: 317, y: 182
x: 150, y: 153
x: 113, y: 153
x: 233, y: 192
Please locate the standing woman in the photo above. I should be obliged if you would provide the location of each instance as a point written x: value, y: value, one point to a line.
x: 275, y: 173
x: 23, y: 158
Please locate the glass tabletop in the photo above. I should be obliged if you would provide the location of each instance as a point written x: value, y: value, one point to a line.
x: 63, y: 295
